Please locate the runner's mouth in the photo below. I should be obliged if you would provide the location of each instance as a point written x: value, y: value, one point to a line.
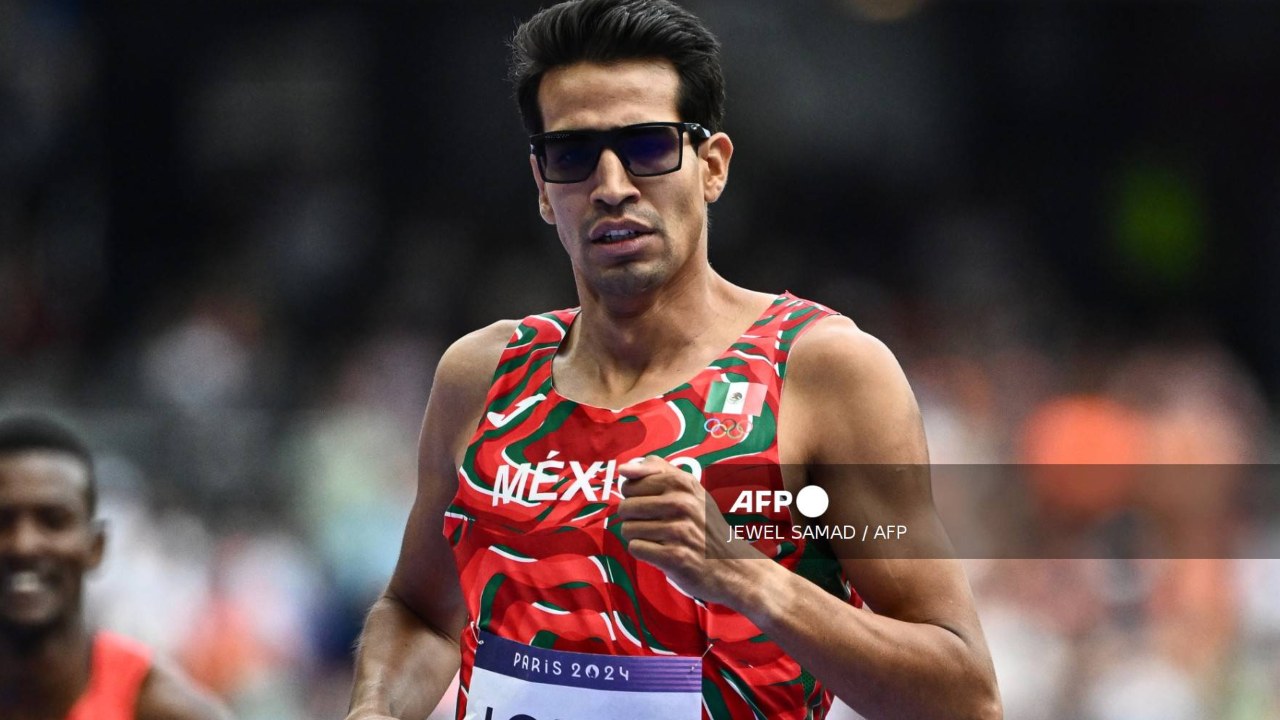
x: 23, y: 582
x: 617, y: 236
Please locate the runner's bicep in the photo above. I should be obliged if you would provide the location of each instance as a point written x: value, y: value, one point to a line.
x: 425, y: 578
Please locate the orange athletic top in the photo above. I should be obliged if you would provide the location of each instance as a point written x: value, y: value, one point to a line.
x: 120, y: 666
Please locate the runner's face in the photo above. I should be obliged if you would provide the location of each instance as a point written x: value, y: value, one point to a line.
x: 664, y: 216
x: 47, y: 539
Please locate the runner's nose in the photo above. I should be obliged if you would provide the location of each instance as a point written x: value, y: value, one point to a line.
x: 613, y: 184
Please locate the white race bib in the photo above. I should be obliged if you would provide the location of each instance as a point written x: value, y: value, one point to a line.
x: 514, y: 681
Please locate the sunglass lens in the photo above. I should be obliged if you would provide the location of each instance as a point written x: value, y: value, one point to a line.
x: 570, y: 158
x: 651, y: 150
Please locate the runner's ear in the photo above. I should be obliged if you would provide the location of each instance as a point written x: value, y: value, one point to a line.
x: 544, y: 204
x: 714, y: 155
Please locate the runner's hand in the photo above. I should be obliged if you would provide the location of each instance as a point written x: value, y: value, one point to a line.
x: 670, y: 521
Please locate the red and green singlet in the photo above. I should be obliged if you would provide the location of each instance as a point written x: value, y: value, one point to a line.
x: 541, y: 558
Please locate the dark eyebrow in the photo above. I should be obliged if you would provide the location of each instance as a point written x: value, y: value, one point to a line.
x: 583, y: 131
x: 589, y: 131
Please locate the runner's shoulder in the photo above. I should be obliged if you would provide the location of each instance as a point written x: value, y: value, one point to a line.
x: 836, y: 349
x: 856, y: 403
x: 467, y: 366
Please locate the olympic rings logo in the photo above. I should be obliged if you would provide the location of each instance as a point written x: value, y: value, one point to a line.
x: 731, y: 429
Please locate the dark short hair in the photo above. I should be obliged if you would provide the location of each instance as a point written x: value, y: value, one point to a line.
x: 605, y: 31
x: 23, y: 433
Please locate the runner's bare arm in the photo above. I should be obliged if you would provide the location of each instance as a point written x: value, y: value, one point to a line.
x: 408, y: 651
x: 922, y: 653
x: 849, y: 415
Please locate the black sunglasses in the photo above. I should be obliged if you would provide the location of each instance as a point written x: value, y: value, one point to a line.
x: 647, y: 149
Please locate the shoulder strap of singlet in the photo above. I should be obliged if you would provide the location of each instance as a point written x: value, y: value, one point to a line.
x: 788, y: 319
x: 119, y: 667
x: 525, y: 364
x: 524, y: 369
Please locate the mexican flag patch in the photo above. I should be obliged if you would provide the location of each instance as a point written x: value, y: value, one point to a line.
x: 735, y: 398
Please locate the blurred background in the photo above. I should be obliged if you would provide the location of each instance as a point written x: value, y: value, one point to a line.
x: 235, y: 238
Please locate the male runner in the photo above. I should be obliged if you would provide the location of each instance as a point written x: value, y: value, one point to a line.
x: 578, y: 595
x: 52, y: 667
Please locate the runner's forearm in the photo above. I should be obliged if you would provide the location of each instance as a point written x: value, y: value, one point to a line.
x: 403, y: 666
x: 882, y: 667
